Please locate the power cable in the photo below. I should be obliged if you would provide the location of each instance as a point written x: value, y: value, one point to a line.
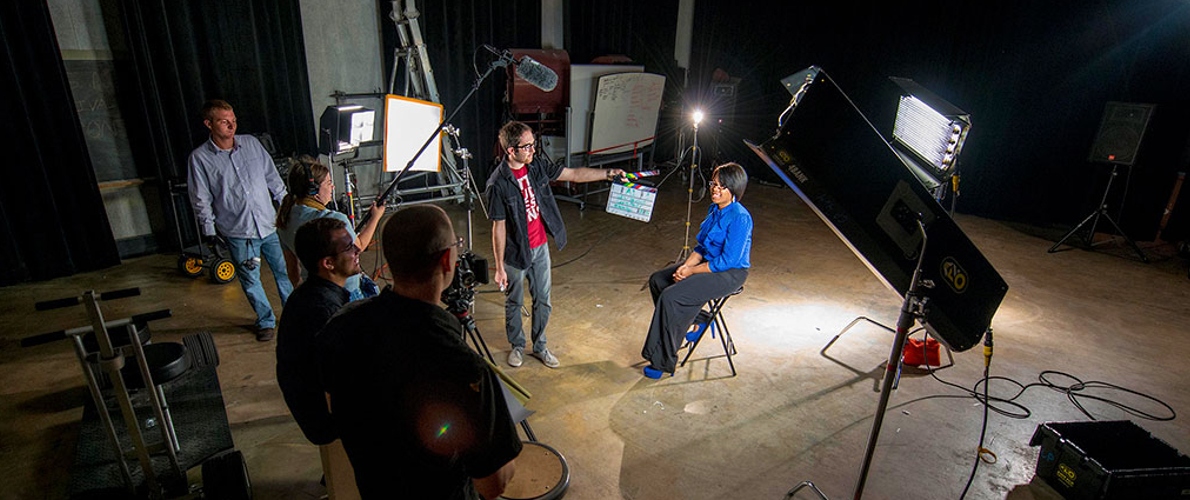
x: 1075, y: 392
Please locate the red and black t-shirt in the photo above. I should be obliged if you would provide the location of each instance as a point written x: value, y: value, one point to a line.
x: 536, y: 229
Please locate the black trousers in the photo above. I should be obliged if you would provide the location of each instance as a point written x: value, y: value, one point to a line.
x: 676, y: 304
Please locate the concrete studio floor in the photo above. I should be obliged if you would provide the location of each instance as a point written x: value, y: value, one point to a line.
x: 791, y: 415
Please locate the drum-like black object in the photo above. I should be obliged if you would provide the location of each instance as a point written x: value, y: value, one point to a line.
x: 541, y: 474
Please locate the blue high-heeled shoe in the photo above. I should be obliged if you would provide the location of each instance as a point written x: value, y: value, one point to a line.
x: 653, y: 373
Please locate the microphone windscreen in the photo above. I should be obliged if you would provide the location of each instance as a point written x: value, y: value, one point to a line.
x: 537, y: 74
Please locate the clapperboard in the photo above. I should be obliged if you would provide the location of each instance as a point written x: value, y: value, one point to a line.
x: 630, y: 199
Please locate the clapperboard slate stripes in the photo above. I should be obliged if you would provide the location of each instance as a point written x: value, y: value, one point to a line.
x: 631, y: 200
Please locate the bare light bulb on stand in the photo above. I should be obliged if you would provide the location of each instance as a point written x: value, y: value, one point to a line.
x: 696, y: 117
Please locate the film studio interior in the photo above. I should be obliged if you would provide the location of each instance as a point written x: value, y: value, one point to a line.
x: 960, y: 267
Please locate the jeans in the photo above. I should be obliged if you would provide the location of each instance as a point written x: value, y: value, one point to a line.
x: 367, y: 288
x: 540, y: 281
x: 269, y: 247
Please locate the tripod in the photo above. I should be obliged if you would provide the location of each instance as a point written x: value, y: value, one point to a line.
x: 1093, y: 218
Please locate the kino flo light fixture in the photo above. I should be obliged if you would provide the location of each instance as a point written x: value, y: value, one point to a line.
x: 826, y: 152
x: 928, y: 135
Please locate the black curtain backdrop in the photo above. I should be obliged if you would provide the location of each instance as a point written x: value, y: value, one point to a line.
x: 181, y: 53
x: 645, y: 33
x: 454, y: 30
x: 52, y: 220
x: 1035, y: 77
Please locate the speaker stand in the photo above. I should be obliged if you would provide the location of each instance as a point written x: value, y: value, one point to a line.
x: 1094, y: 217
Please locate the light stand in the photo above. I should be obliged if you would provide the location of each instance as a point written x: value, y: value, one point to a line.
x: 913, y: 307
x: 695, y: 156
x: 1093, y: 218
x: 349, y: 192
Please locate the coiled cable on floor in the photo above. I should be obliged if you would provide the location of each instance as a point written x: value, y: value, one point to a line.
x: 1075, y: 392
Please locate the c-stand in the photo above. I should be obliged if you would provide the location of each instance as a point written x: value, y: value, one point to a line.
x: 913, y: 309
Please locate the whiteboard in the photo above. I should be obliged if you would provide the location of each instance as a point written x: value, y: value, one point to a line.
x: 583, y: 78
x: 626, y: 110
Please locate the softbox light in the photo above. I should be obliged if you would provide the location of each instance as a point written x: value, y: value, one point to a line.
x: 407, y: 125
x: 342, y: 128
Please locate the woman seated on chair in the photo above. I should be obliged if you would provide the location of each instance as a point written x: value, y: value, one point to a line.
x: 717, y: 267
x: 311, y: 187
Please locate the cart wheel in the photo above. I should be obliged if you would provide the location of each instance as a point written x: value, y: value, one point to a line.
x: 190, y: 266
x: 225, y: 476
x: 201, y: 349
x: 223, y: 271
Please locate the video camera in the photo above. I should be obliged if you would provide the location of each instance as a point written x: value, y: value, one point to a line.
x: 470, y: 271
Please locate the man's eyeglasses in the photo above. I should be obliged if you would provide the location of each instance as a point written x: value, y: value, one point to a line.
x: 457, y: 244
x: 346, y: 244
x: 522, y: 147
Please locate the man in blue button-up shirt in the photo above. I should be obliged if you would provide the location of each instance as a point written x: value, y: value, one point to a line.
x: 233, y: 184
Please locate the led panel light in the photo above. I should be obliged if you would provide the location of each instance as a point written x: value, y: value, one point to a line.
x: 363, y: 126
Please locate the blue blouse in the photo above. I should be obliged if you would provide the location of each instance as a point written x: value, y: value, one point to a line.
x: 725, y: 237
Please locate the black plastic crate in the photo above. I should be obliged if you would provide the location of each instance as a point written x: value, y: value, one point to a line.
x: 1109, y: 460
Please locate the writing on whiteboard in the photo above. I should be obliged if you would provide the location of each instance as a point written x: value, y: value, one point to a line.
x: 626, y: 110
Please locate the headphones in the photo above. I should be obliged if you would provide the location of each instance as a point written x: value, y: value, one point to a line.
x: 251, y: 263
x: 310, y: 177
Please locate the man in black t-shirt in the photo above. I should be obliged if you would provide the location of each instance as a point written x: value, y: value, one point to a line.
x: 329, y: 255
x: 326, y: 249
x: 421, y: 415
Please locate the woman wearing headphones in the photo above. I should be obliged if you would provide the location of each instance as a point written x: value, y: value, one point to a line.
x: 311, y: 187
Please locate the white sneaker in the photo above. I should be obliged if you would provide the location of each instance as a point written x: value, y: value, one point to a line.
x: 547, y: 358
x: 517, y: 356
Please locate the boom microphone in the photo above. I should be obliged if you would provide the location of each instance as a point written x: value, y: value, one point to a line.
x: 537, y: 74
x: 531, y: 71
